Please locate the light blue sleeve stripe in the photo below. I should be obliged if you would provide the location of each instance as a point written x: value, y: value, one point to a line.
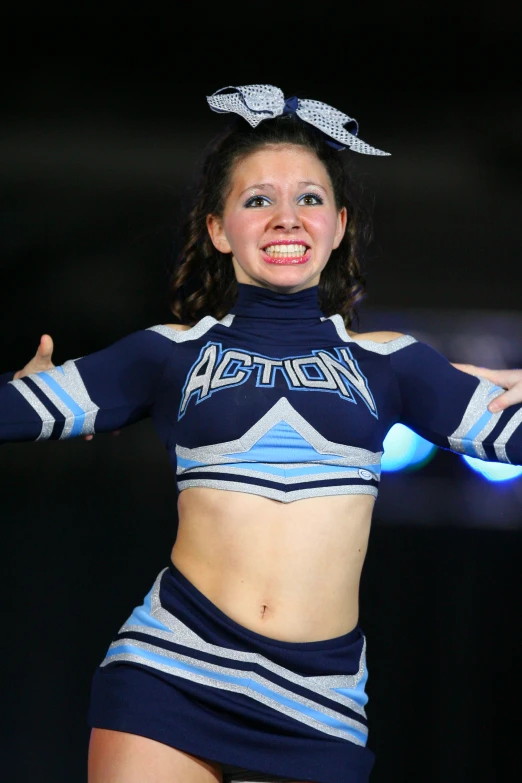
x: 243, y: 681
x: 79, y: 413
x: 478, y: 426
x: 468, y: 448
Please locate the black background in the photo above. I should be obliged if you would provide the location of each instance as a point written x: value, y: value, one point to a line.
x: 104, y: 120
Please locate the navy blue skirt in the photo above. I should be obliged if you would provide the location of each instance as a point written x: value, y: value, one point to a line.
x: 180, y: 671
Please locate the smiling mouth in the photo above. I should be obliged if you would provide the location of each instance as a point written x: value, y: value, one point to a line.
x: 291, y: 253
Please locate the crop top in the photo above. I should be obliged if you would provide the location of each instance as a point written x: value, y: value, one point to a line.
x: 275, y: 399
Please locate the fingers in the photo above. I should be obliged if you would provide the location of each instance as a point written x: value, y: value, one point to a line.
x: 45, y: 349
x: 471, y: 369
x: 510, y: 397
x: 506, y: 379
x: 41, y: 361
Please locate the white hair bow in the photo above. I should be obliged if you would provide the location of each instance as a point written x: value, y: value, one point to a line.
x: 258, y: 102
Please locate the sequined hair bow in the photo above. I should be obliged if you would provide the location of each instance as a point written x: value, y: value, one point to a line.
x: 258, y: 102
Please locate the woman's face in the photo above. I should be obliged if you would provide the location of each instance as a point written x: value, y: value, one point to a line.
x: 280, y: 221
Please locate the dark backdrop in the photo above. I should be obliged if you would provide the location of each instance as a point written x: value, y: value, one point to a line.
x: 104, y: 120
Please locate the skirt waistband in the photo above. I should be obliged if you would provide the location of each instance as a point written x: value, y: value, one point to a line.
x: 208, y: 608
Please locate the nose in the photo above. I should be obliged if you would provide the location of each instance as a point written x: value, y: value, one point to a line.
x: 286, y: 217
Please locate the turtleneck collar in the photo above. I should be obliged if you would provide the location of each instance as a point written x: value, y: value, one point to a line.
x: 256, y: 302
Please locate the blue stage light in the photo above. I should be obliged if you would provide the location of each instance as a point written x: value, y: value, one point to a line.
x: 403, y: 448
x: 494, y: 471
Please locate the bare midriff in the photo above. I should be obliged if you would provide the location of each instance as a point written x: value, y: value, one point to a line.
x: 289, y: 571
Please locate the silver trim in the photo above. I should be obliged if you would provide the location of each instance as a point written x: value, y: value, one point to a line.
x: 274, y: 477
x: 276, y: 494
x: 242, y: 689
x: 197, y: 331
x: 502, y: 440
x: 73, y: 384
x: 193, y: 640
x: 57, y: 402
x: 282, y: 411
x: 475, y: 409
x: 30, y: 397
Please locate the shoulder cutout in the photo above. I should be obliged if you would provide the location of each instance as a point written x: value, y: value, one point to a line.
x: 376, y: 337
x: 181, y: 333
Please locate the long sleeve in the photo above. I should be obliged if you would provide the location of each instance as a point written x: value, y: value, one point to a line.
x: 449, y: 407
x: 103, y: 391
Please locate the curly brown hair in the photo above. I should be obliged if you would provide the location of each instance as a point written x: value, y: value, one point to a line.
x: 203, y: 281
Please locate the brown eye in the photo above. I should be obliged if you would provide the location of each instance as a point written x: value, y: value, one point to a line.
x: 257, y: 201
x: 310, y: 199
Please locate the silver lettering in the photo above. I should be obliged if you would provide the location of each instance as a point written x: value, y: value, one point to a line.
x: 328, y: 382
x: 358, y: 381
x: 342, y: 375
x: 229, y: 356
x: 268, y: 364
x: 352, y: 376
x: 291, y: 373
x: 197, y: 381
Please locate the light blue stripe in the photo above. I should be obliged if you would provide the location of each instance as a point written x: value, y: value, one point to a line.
x: 188, y: 463
x: 243, y: 681
x: 357, y: 694
x: 282, y: 443
x: 469, y: 449
x: 141, y: 615
x: 478, y: 426
x: 79, y: 413
x: 275, y: 470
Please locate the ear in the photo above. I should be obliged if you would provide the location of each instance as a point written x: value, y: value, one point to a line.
x: 342, y: 218
x: 217, y: 234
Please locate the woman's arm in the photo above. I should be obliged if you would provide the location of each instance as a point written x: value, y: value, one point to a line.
x: 101, y: 392
x: 451, y: 408
x: 507, y: 379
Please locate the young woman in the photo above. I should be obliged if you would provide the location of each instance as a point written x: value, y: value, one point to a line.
x: 245, y: 661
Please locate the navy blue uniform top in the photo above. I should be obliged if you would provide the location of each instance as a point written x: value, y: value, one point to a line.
x: 275, y: 399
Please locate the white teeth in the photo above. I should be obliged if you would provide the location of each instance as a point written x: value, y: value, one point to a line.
x: 296, y: 249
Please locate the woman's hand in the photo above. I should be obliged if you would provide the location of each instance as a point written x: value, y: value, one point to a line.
x: 41, y: 360
x: 508, y: 379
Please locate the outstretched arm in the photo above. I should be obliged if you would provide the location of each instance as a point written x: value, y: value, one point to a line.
x: 101, y: 392
x: 451, y: 408
x: 507, y: 379
x: 41, y: 362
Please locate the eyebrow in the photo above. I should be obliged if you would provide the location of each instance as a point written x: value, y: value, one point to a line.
x: 257, y: 186
x: 310, y: 182
x: 263, y: 185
